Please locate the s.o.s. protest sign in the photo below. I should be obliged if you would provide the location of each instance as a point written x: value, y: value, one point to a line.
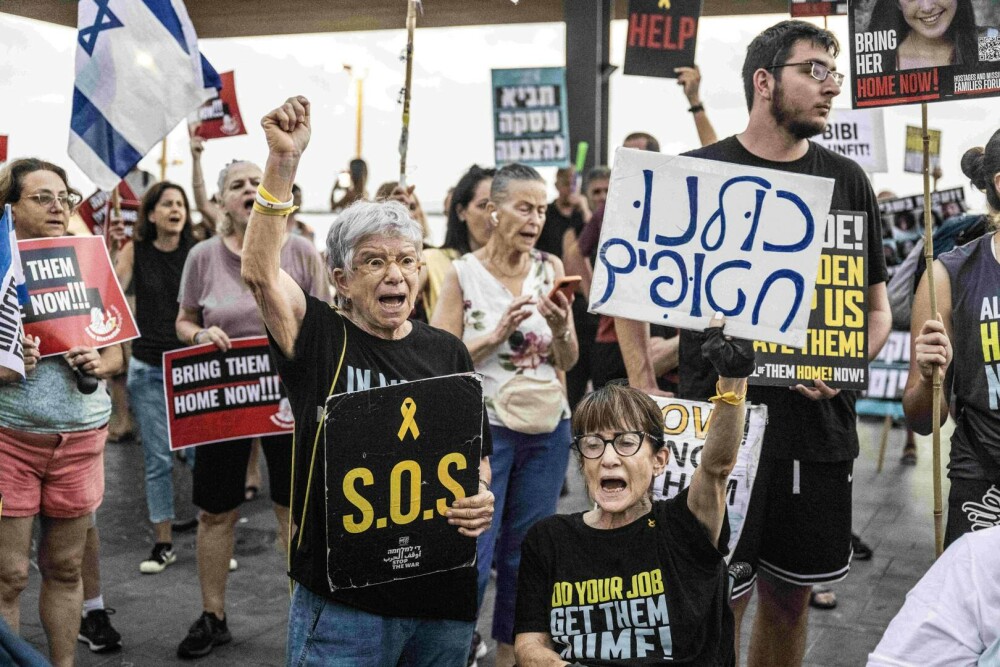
x: 213, y: 396
x: 836, y: 349
x: 73, y: 295
x: 684, y: 238
x: 397, y: 457
x: 685, y: 426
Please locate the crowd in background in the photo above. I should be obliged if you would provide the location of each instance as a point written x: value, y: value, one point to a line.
x: 240, y: 271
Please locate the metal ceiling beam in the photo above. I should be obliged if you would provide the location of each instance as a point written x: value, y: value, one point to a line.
x: 244, y: 18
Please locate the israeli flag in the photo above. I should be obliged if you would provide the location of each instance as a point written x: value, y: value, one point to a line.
x: 13, y: 293
x: 138, y: 74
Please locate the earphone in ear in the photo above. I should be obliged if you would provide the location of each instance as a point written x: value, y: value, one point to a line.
x: 494, y: 216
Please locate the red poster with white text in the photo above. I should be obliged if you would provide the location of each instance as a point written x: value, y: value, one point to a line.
x: 214, y: 396
x: 95, y: 210
x: 220, y: 116
x: 73, y: 295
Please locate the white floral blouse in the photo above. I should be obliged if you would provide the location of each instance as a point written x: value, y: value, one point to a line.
x: 485, y: 301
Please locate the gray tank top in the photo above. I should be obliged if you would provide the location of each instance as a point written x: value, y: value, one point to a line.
x: 975, y: 369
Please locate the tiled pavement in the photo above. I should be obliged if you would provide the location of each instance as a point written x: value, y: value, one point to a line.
x: 892, y: 512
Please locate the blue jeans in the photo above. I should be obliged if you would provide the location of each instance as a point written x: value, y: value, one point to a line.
x: 145, y: 393
x: 322, y: 633
x: 528, y: 473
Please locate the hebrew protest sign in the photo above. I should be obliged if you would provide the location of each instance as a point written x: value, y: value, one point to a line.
x: 530, y: 124
x: 858, y: 134
x: 661, y: 36
x: 213, y: 396
x: 684, y: 237
x: 397, y: 457
x: 913, y: 158
x: 836, y: 349
x: 73, y: 295
x: 685, y: 425
x: 220, y: 116
x: 903, y: 54
x: 95, y: 210
x: 800, y: 8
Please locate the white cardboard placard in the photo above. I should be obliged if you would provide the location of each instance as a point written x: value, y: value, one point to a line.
x: 858, y: 134
x: 686, y: 237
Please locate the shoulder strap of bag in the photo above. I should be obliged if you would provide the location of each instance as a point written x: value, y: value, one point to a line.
x: 312, y: 458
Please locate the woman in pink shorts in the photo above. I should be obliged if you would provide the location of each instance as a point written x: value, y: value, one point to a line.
x: 52, y: 436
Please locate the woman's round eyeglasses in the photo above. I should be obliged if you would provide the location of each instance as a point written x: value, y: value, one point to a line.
x: 377, y: 266
x: 626, y: 443
x: 45, y: 199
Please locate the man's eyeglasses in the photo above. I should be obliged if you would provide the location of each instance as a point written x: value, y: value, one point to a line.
x: 592, y: 446
x: 819, y: 71
x: 377, y: 266
x: 67, y: 201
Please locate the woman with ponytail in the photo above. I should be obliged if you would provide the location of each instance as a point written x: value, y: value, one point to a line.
x: 962, y: 342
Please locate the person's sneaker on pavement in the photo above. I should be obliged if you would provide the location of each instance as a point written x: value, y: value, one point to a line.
x: 478, y: 649
x: 205, y: 634
x: 97, y: 633
x: 162, y: 556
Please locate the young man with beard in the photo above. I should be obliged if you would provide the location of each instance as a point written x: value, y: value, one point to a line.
x: 798, y: 530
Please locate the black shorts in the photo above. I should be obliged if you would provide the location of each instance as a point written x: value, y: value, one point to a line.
x: 220, y: 471
x: 973, y: 504
x: 798, y: 526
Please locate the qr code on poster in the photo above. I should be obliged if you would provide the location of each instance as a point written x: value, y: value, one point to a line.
x: 989, y: 48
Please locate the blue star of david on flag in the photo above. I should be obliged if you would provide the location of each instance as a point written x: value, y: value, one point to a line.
x: 105, y: 20
x: 138, y: 74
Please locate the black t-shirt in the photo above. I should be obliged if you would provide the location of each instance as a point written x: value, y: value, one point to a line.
x: 156, y: 279
x: 368, y: 362
x: 550, y: 239
x: 797, y: 427
x: 653, y: 592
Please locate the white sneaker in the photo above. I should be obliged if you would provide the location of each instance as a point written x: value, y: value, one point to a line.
x: 233, y: 565
x: 161, y: 556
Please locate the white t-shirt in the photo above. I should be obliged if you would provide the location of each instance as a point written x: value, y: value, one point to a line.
x: 952, y: 616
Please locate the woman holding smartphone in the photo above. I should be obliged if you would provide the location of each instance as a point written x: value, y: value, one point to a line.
x: 497, y: 299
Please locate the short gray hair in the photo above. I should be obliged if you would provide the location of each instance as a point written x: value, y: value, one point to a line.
x: 225, y: 226
x: 224, y: 174
x: 364, y: 219
x: 507, y: 175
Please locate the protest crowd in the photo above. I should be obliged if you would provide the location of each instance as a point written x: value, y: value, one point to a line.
x: 496, y: 362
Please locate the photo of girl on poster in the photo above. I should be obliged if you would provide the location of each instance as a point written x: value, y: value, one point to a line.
x: 936, y: 33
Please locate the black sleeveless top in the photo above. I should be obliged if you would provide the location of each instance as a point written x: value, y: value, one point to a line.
x: 156, y: 279
x: 975, y: 368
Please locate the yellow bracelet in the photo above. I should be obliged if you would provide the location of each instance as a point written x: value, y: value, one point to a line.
x: 729, y: 397
x: 267, y: 195
x: 273, y: 211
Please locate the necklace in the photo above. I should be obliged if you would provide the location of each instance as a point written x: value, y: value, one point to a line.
x: 517, y: 274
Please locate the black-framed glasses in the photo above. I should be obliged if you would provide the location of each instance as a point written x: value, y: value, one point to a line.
x: 819, y: 71
x: 626, y: 443
x: 67, y: 201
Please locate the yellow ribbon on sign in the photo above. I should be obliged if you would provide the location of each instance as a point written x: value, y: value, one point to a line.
x: 408, y: 409
x: 664, y: 4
